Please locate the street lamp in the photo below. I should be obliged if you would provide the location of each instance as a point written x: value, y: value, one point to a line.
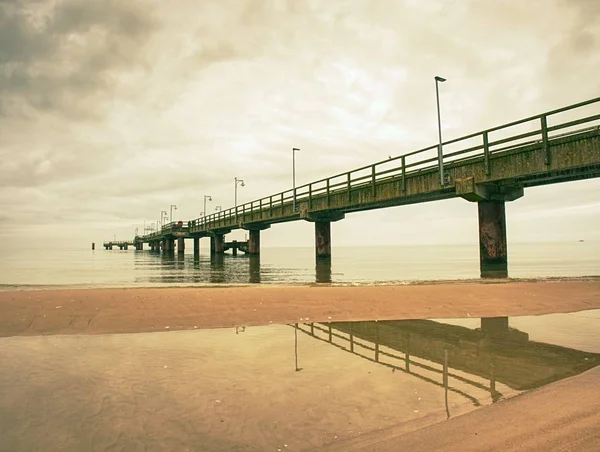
x: 218, y: 208
x: 206, y: 197
x: 241, y: 182
x: 294, y: 150
x: 163, y: 216
x: 171, y: 217
x: 440, y: 153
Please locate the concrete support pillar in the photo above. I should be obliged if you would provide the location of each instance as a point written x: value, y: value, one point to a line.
x: 254, y: 242
x: 125, y: 247
x: 196, y: 245
x: 171, y: 245
x: 254, y: 263
x: 217, y: 244
x: 180, y: 245
x: 323, y: 239
x: 165, y: 245
x: 323, y: 271
x: 492, y: 239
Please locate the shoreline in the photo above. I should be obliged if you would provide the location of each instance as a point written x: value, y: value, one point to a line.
x: 130, y: 310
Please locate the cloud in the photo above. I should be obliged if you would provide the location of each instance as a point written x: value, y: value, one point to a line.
x: 68, y: 59
x: 113, y: 110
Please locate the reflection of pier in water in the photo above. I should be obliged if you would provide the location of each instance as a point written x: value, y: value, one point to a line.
x: 476, y: 358
x: 219, y: 269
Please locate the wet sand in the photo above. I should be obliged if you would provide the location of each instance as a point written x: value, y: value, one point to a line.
x: 560, y: 416
x: 96, y: 311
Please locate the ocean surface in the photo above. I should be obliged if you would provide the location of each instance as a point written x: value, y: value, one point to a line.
x: 65, y: 267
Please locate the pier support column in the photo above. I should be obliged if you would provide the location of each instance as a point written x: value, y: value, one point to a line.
x: 125, y: 247
x: 254, y: 236
x: 491, y: 200
x: 180, y: 245
x: 165, y: 245
x: 323, y: 271
x: 217, y: 244
x: 323, y: 232
x: 493, y: 260
x: 323, y: 239
x: 196, y: 245
x: 254, y: 242
x: 254, y: 264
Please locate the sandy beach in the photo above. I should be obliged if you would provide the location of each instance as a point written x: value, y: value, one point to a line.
x: 560, y: 416
x: 96, y: 311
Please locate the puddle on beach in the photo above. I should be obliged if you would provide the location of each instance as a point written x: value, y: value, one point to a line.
x: 277, y: 387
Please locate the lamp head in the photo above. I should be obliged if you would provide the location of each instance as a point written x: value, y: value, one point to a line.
x: 209, y: 198
x: 243, y: 184
x: 439, y: 79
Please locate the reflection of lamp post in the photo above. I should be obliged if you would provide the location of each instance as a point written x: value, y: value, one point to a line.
x: 298, y: 369
x: 440, y: 154
x: 241, y: 182
x: 294, y: 150
x: 171, y: 217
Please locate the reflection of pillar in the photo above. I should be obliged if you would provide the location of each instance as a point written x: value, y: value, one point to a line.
x: 492, y: 239
x: 323, y: 270
x: 180, y: 245
x: 196, y: 245
x: 494, y: 325
x: 254, y: 242
x: 254, y: 269
x: 323, y: 239
x: 217, y: 268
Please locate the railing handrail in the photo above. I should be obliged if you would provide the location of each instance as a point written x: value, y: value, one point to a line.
x: 279, y: 199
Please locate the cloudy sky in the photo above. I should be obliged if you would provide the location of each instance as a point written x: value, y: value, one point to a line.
x: 112, y: 110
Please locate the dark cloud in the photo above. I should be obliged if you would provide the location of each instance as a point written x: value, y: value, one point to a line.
x: 68, y: 59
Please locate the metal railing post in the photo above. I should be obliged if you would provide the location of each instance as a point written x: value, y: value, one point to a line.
x: 486, y: 153
x: 373, y: 181
x: 545, y: 143
x: 349, y: 186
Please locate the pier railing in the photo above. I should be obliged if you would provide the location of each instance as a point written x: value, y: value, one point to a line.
x: 481, y: 146
x: 403, y: 362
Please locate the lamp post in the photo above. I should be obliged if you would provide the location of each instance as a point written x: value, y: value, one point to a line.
x: 171, y: 216
x: 163, y: 216
x: 294, y: 150
x: 438, y: 80
x: 206, y: 197
x: 241, y: 182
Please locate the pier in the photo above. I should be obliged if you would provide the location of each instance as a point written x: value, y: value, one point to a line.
x: 490, y: 168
